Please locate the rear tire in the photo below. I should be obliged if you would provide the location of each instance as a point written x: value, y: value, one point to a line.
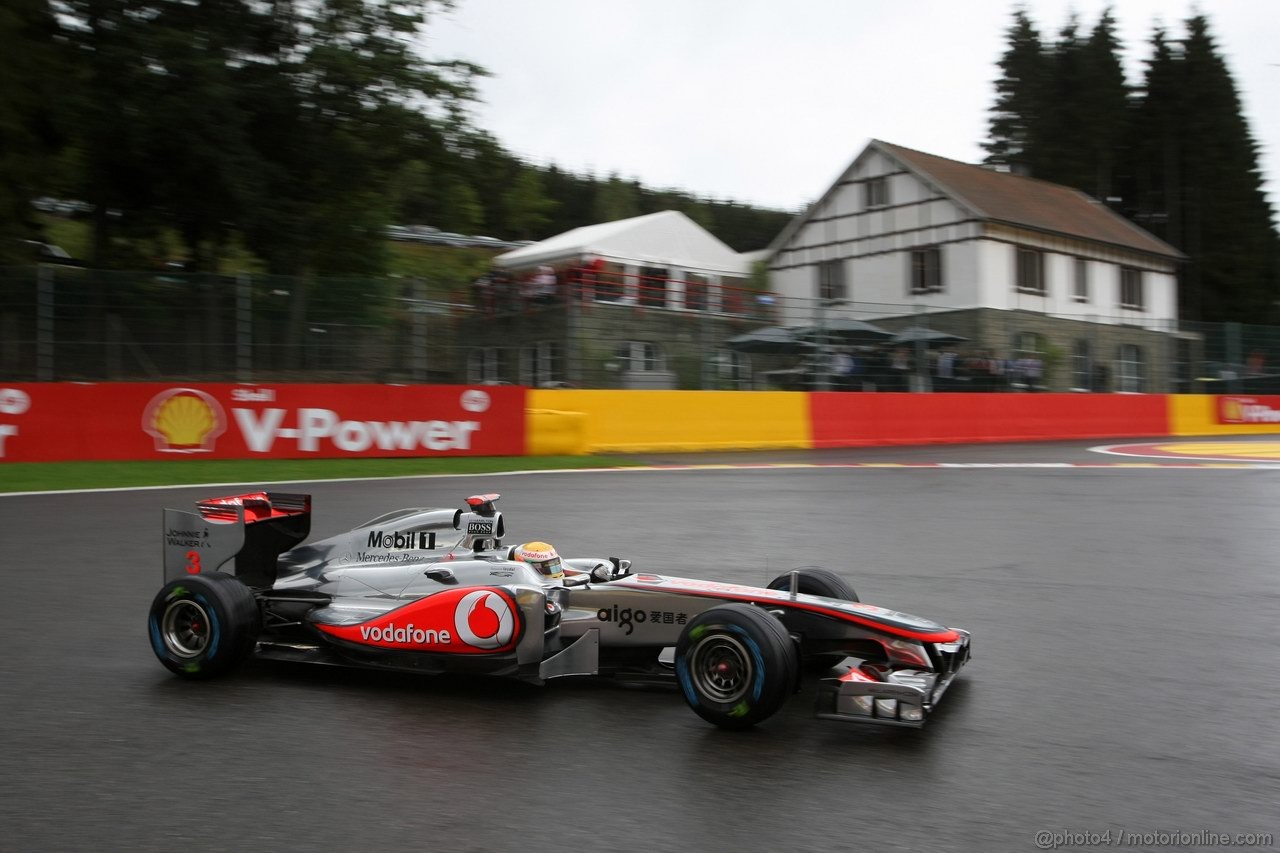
x: 815, y: 580
x: 736, y: 665
x: 203, y: 625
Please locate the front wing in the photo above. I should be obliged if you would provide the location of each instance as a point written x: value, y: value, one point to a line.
x: 900, y: 697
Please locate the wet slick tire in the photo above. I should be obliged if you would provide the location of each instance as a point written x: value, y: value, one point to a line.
x: 203, y: 625
x: 816, y: 581
x: 736, y: 665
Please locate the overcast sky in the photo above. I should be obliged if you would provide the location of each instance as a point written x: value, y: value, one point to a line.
x: 767, y: 101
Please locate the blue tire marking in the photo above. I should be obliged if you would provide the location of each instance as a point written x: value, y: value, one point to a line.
x: 157, y: 643
x: 214, y: 631
x: 686, y: 684
x: 757, y: 657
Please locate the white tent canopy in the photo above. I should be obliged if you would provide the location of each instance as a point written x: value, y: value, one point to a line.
x: 665, y: 239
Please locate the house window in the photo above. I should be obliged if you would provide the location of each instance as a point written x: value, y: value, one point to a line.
x: 1080, y: 291
x: 1081, y: 366
x: 540, y: 363
x: 695, y: 292
x: 610, y: 283
x: 831, y: 280
x: 1031, y: 271
x: 485, y: 364
x: 653, y: 287
x: 1129, y: 369
x: 1026, y: 369
x: 926, y: 270
x: 1131, y: 295
x: 876, y: 192
x: 640, y: 357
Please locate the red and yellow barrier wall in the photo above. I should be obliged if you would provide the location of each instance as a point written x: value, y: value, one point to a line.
x: 645, y: 421
x: 856, y: 420
x: 125, y: 421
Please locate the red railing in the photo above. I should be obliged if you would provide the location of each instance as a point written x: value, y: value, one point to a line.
x: 502, y: 292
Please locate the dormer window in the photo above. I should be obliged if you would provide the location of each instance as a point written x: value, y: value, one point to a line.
x: 876, y: 192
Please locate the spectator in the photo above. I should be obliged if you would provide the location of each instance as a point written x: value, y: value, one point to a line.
x: 946, y: 364
x: 900, y: 370
x: 842, y: 367
x: 1101, y: 377
x: 592, y: 272
x: 1033, y: 370
x: 543, y: 286
x: 482, y: 290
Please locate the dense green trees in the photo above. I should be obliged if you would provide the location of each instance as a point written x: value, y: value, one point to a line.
x: 29, y: 68
x: 296, y: 130
x: 1175, y: 154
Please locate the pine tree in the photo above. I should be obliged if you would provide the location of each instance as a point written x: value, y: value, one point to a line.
x: 1151, y: 182
x: 29, y: 132
x: 1179, y: 157
x: 1107, y: 107
x: 1014, y: 127
x: 1228, y: 229
x: 1065, y: 112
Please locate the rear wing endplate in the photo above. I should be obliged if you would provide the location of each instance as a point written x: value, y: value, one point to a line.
x: 195, y: 545
x: 253, y: 529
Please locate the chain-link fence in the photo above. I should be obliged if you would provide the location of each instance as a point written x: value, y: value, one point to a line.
x: 599, y: 328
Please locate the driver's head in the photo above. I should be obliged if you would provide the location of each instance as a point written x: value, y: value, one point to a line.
x: 542, y: 557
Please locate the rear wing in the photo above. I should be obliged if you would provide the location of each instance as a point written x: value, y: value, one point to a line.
x: 252, y: 529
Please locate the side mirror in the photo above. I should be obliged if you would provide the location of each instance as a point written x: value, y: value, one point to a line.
x: 602, y: 572
x: 623, y: 567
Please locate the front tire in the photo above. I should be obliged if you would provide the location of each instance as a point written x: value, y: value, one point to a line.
x: 203, y: 625
x: 815, y: 580
x: 735, y: 665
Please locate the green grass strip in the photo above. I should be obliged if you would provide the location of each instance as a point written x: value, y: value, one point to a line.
x: 57, y: 476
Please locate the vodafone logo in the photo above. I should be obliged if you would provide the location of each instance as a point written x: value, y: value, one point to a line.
x: 458, y: 621
x: 484, y: 619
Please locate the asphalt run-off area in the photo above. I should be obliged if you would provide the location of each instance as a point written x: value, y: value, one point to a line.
x: 1125, y: 660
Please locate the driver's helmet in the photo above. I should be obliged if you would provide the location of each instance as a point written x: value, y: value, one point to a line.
x: 542, y: 557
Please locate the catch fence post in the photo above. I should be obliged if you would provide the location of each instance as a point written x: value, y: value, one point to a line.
x: 45, y: 341
x: 418, y: 359
x: 1235, y: 356
x: 244, y: 328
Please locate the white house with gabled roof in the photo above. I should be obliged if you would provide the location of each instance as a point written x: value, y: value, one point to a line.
x: 902, y: 228
x: 1022, y: 264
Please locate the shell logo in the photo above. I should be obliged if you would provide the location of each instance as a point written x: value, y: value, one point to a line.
x: 1232, y: 411
x: 474, y: 401
x: 184, y: 420
x: 483, y: 619
x: 14, y: 401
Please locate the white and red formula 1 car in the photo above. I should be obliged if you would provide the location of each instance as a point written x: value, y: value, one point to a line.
x: 435, y: 590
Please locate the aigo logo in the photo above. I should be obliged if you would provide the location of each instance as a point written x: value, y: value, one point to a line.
x: 484, y: 619
x: 184, y: 420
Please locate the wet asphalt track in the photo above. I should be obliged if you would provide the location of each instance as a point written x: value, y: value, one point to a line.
x: 1127, y: 663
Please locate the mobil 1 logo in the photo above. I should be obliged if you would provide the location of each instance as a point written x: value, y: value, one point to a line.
x: 397, y: 540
